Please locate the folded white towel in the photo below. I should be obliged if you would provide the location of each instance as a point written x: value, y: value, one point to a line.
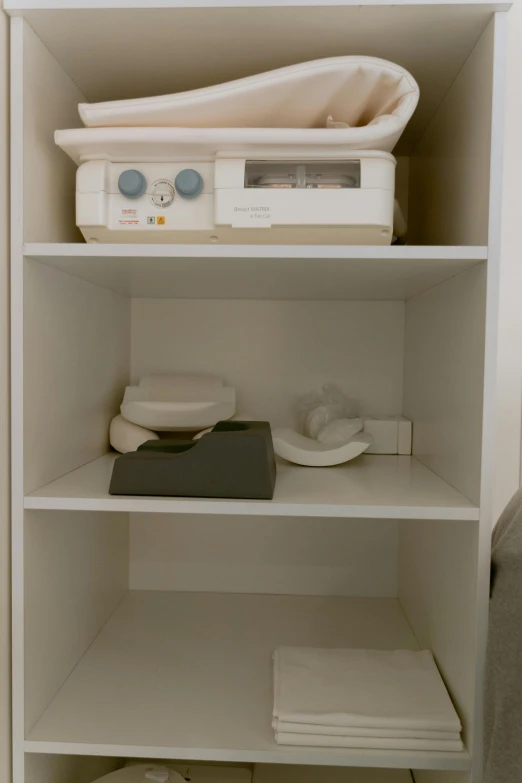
x: 284, y: 727
x: 398, y: 689
x: 324, y: 741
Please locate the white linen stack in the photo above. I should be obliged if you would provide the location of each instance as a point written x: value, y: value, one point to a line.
x: 392, y: 700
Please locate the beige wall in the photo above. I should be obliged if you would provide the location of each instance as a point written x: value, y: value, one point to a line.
x: 5, y: 709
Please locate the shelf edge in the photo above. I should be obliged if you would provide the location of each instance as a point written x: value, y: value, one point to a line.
x: 323, y: 757
x: 18, y: 7
x: 391, y: 252
x: 250, y: 508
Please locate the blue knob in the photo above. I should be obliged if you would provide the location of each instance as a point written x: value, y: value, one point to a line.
x: 132, y: 183
x: 188, y: 183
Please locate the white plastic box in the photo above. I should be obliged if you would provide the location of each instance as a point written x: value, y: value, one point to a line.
x: 391, y: 434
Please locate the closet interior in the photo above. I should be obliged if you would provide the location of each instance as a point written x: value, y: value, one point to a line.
x: 144, y: 627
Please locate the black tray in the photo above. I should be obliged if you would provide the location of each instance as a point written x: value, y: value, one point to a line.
x: 235, y: 460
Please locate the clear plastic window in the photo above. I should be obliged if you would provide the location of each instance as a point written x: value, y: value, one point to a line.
x: 303, y: 174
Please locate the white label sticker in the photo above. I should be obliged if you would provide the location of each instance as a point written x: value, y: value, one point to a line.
x: 251, y: 217
x: 129, y: 217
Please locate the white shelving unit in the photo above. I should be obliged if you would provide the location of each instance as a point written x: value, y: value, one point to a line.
x: 230, y: 639
x: 144, y: 627
x: 372, y: 488
x: 247, y: 272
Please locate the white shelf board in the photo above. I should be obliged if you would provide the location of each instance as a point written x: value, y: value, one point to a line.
x: 260, y: 272
x: 187, y: 48
x: 189, y: 676
x: 16, y: 7
x: 375, y: 487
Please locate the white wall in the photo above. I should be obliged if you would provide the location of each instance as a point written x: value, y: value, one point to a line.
x: 5, y: 674
x: 274, y: 351
x: 449, y: 167
x: 437, y: 590
x: 287, y: 555
x: 46, y: 168
x: 75, y: 370
x: 443, y: 378
x: 88, y: 557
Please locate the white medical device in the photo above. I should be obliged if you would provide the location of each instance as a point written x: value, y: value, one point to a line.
x: 297, y: 155
x: 317, y: 199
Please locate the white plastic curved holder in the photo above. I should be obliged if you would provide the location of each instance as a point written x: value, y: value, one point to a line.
x: 301, y: 450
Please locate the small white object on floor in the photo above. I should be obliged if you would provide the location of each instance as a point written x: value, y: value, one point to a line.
x: 391, y: 434
x: 125, y: 436
x: 301, y: 450
x: 143, y: 773
x: 396, y: 689
x: 203, y: 773
x: 158, y: 775
x: 339, y: 431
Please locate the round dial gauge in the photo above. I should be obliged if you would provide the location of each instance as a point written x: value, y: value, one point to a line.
x: 162, y: 193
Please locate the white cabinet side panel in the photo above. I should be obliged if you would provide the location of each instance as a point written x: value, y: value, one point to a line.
x: 50, y: 102
x: 444, y: 378
x: 283, y: 555
x: 76, y: 573
x: 40, y: 768
x: 509, y: 342
x: 17, y: 418
x: 437, y: 591
x: 449, y: 167
x: 76, y: 360
x: 273, y: 351
x: 5, y: 591
x: 494, y: 456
